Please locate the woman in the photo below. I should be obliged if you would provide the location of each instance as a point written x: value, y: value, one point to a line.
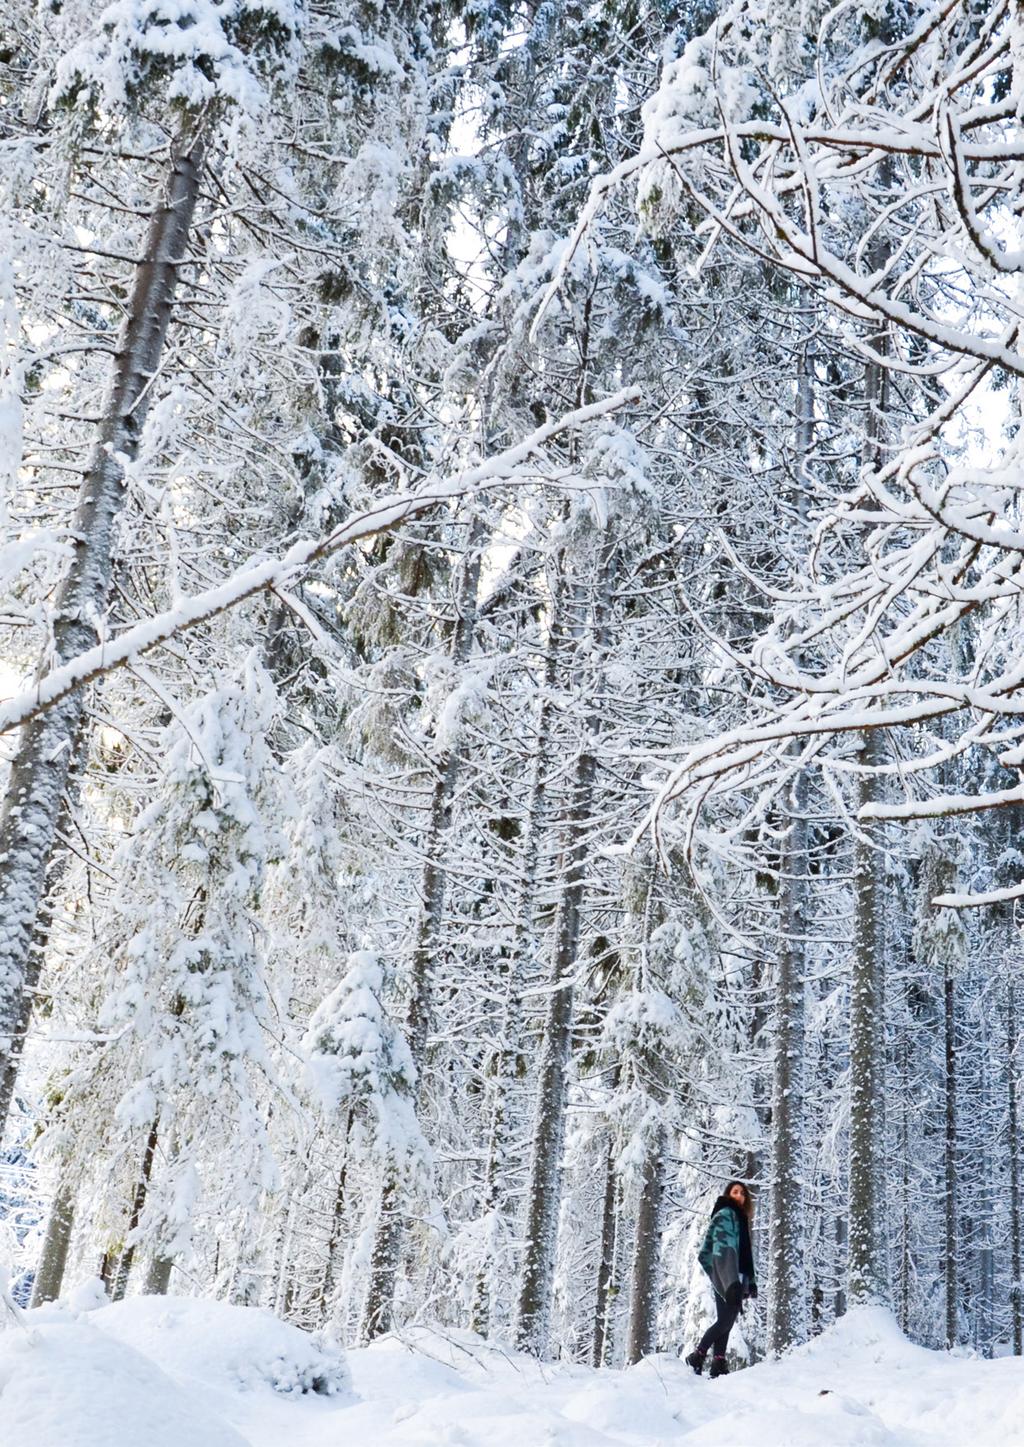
x: 727, y: 1258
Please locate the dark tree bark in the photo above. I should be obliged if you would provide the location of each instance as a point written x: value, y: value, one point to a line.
x: 545, y: 1185
x: 867, y: 1275
x: 787, y: 1277
x: 329, y: 1280
x: 119, y: 1283
x: 641, y: 1338
x: 787, y: 1294
x: 54, y: 1256
x: 1013, y: 1114
x: 544, y: 1193
x: 906, y: 1218
x: 602, y: 1338
x: 512, y: 966
x: 949, y: 1194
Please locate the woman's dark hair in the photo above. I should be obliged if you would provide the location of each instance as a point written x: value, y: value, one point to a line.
x: 748, y: 1200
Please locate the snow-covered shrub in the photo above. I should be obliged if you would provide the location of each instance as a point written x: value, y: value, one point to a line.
x: 228, y: 1346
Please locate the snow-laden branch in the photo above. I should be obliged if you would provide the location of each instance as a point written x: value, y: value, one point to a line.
x: 974, y: 901
x: 264, y: 574
x: 944, y: 806
x: 870, y: 146
x: 755, y: 166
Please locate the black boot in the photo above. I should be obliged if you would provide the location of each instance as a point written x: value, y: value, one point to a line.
x: 696, y: 1361
x: 719, y: 1367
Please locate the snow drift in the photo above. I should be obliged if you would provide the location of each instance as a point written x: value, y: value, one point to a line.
x: 163, y: 1372
x: 227, y: 1347
x: 183, y: 1373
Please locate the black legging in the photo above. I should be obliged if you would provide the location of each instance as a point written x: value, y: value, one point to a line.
x: 718, y: 1335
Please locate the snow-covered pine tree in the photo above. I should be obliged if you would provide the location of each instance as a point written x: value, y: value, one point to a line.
x: 360, y: 1068
x: 124, y: 70
x: 170, y: 1088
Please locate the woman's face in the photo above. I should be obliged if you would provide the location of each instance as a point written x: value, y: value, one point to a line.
x: 738, y: 1194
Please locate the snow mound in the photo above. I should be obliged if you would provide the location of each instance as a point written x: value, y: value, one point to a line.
x: 864, y: 1331
x: 227, y: 1346
x: 64, y: 1384
x: 154, y: 1372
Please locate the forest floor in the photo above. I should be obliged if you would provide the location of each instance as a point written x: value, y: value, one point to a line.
x: 182, y: 1373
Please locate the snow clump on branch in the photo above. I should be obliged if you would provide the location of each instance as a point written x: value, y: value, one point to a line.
x: 199, y: 53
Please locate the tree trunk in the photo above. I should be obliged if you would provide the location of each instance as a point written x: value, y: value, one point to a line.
x: 39, y: 772
x: 545, y: 1188
x: 124, y: 1265
x: 905, y: 1203
x: 950, y: 1243
x: 643, y: 1306
x: 866, y: 1270
x: 329, y: 1280
x: 500, y: 1122
x: 984, y: 1313
x: 158, y: 1276
x: 867, y: 1277
x: 606, y: 1266
x: 751, y: 1165
x: 387, y: 1247
x: 1012, y: 1065
x: 378, y: 1311
x: 54, y: 1255
x: 839, y: 1305
x: 787, y: 1295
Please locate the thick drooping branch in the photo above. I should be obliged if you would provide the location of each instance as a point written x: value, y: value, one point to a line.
x: 272, y: 574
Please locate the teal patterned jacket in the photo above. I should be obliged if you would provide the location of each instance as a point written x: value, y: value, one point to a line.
x: 720, y: 1253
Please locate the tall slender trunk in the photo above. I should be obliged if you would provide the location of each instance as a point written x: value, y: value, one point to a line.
x: 949, y: 1193
x: 54, y: 1256
x: 787, y: 1295
x: 386, y: 1251
x: 378, y: 1309
x: 905, y: 1204
x: 839, y: 1305
x: 751, y: 1165
x: 124, y: 1265
x: 602, y: 1338
x: 984, y: 1312
x: 641, y: 1338
x: 330, y: 1275
x: 1012, y: 1066
x: 500, y: 1084
x: 950, y: 1242
x: 39, y: 772
x: 787, y: 1277
x: 545, y: 1186
x: 867, y: 1274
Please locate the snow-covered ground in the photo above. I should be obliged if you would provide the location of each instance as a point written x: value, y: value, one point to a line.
x: 178, y: 1373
